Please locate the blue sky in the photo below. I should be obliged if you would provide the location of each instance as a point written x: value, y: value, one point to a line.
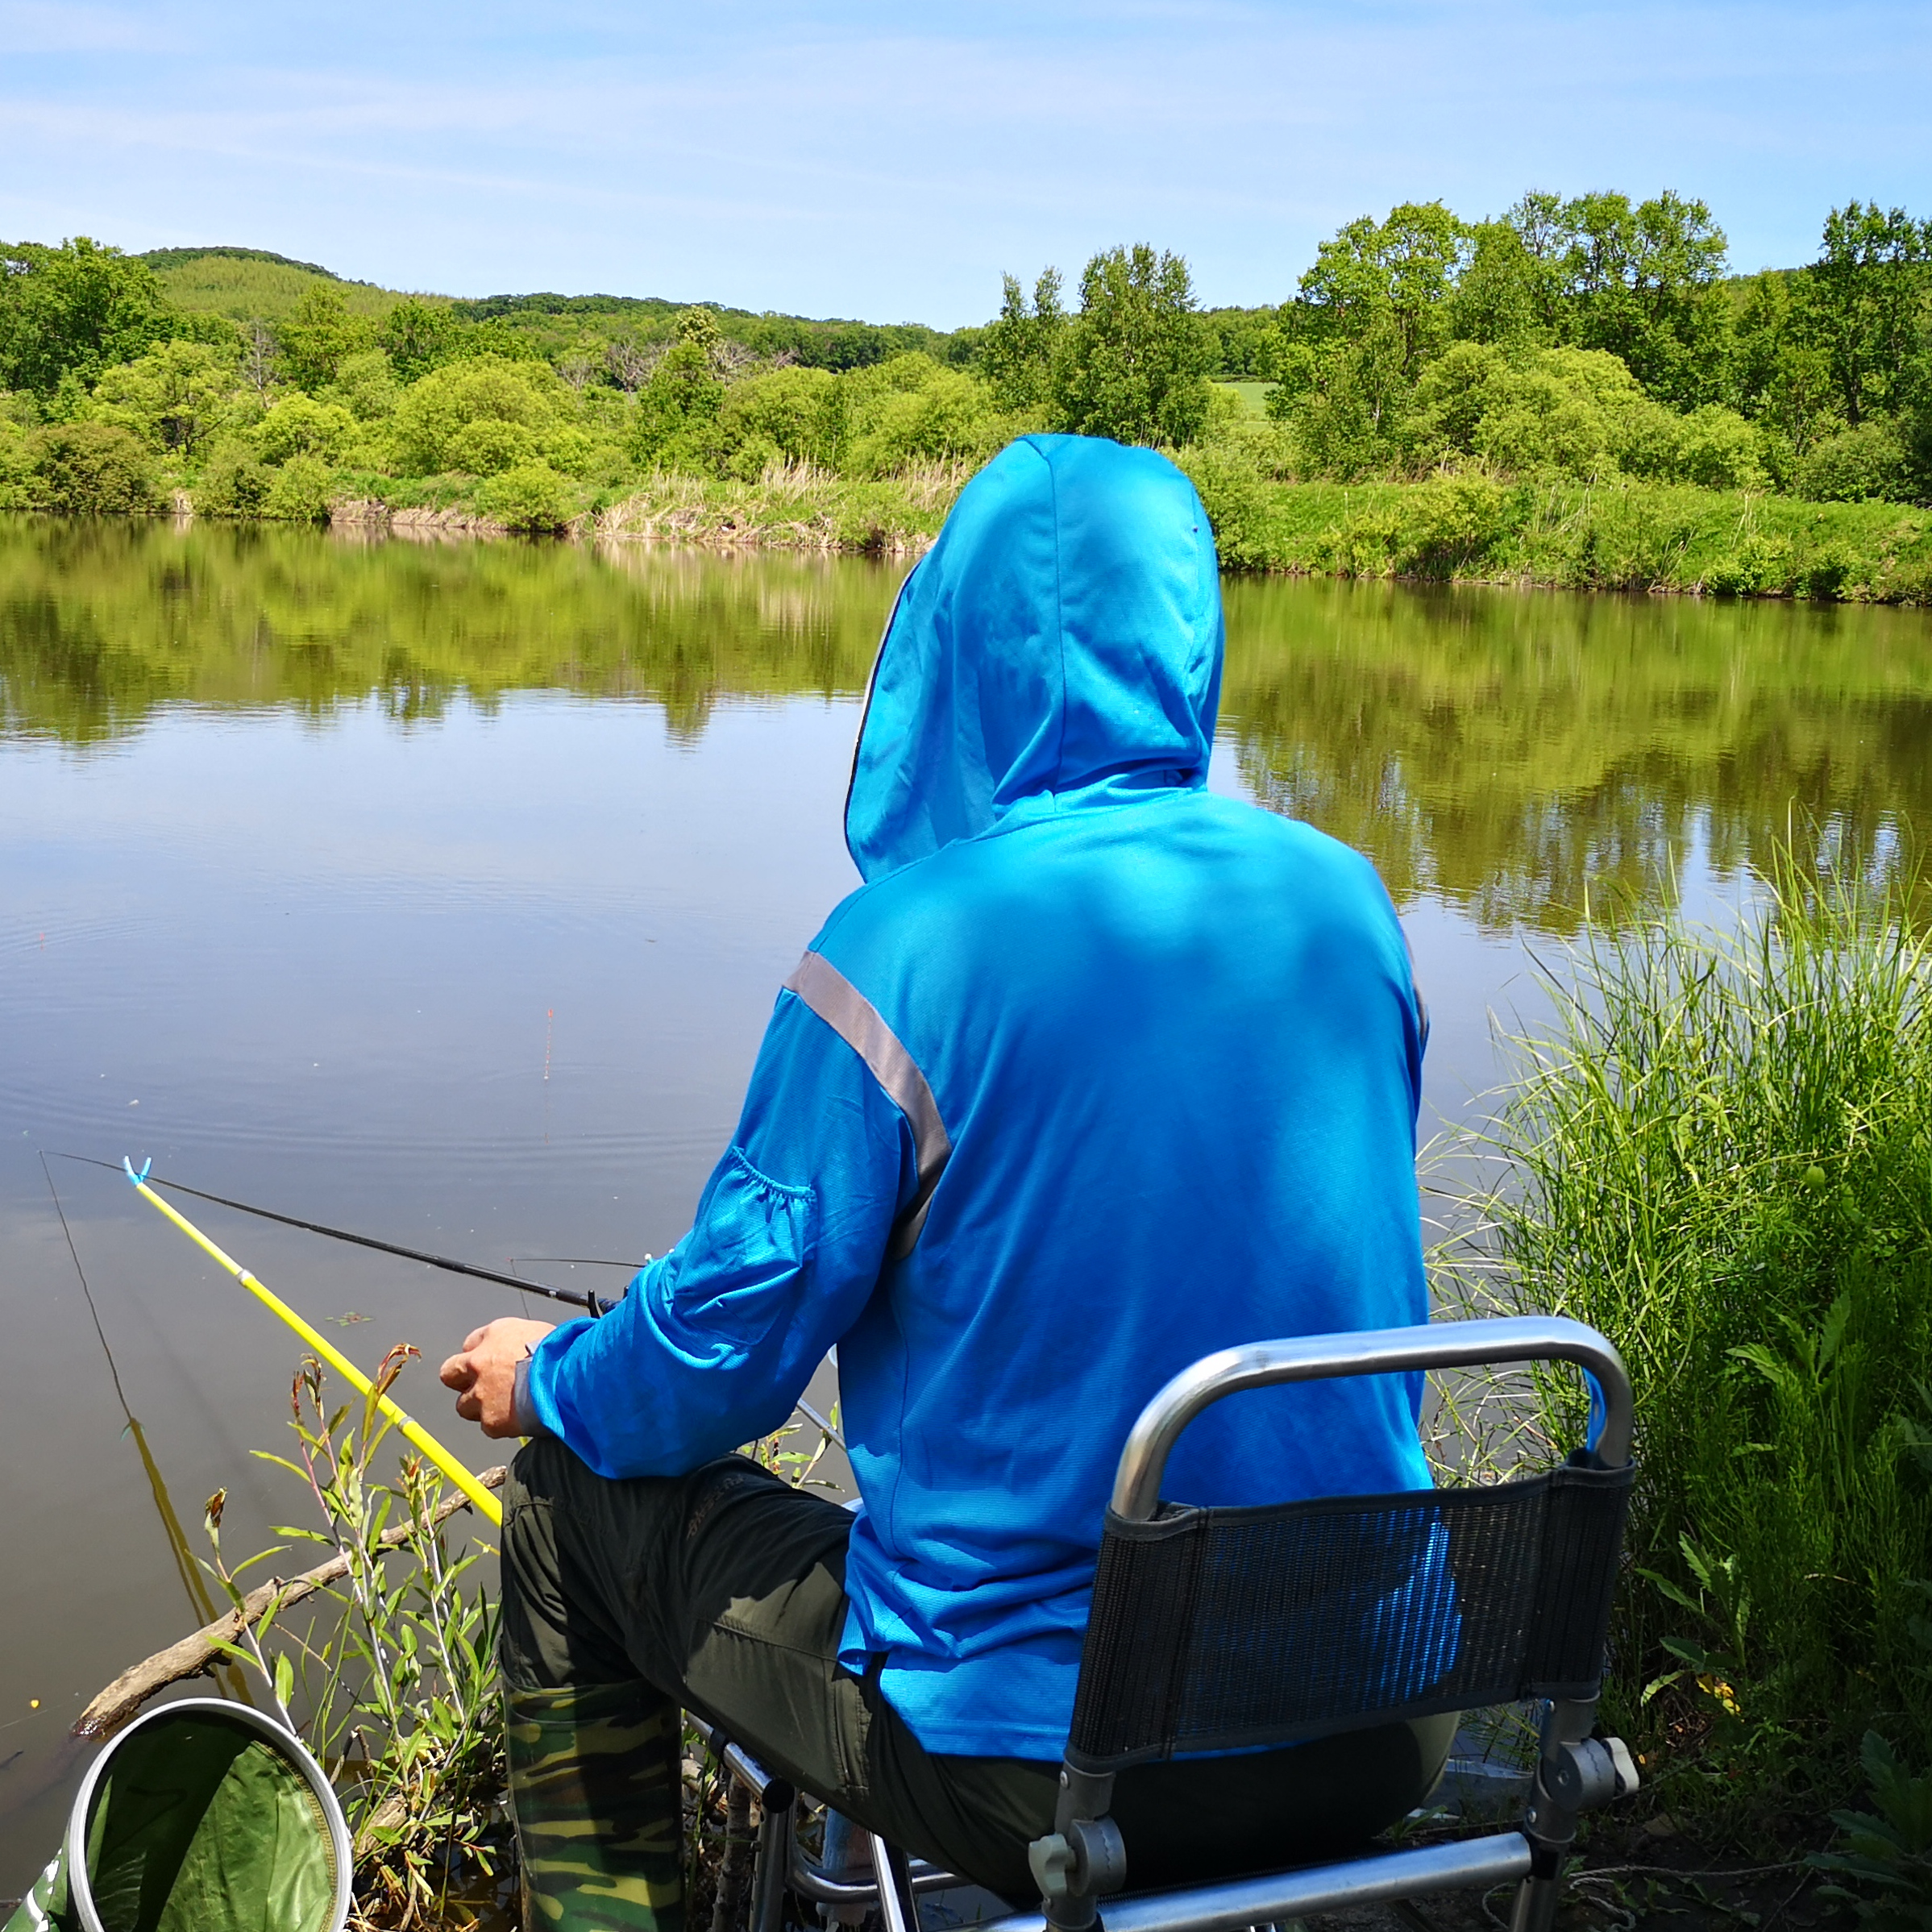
x: 890, y: 162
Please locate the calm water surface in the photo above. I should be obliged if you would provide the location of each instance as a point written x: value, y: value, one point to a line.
x: 442, y: 891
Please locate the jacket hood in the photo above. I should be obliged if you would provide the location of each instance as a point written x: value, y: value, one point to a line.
x: 1060, y: 644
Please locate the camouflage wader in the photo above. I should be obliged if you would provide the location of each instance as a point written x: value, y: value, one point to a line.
x: 726, y: 1590
x: 594, y: 1785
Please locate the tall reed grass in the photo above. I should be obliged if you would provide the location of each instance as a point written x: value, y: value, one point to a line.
x: 1720, y: 1153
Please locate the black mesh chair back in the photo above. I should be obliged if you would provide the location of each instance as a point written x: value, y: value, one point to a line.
x: 1230, y: 1629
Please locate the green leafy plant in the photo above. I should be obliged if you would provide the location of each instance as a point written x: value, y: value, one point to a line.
x: 1887, y: 1858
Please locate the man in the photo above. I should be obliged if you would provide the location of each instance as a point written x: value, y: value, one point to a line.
x: 1096, y: 1073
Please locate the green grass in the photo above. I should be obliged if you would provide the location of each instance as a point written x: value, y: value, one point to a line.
x: 1720, y: 1154
x: 1253, y: 395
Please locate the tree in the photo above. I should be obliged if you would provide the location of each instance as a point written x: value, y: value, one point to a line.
x: 74, y: 310
x: 173, y: 397
x: 1017, y: 350
x: 260, y: 356
x: 1393, y: 278
x: 319, y: 332
x: 1864, y: 304
x: 1643, y: 282
x: 1131, y: 366
x: 419, y: 336
x: 678, y: 405
x: 1782, y: 380
x: 1507, y: 292
x: 1368, y: 317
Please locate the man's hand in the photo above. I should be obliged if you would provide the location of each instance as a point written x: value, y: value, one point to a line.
x: 484, y: 1375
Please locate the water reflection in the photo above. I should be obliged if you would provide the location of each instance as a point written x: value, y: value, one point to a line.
x: 1506, y: 752
x: 1510, y: 752
x: 100, y: 622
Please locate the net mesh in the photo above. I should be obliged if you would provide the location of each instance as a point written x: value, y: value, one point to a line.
x: 1214, y: 1629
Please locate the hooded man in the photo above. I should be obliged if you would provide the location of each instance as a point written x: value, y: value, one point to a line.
x: 1096, y: 1073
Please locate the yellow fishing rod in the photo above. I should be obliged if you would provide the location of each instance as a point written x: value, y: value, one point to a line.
x: 412, y: 1430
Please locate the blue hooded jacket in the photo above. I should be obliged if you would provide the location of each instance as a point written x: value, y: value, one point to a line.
x: 1096, y: 1073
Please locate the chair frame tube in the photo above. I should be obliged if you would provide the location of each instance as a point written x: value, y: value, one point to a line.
x: 1467, y: 1865
x: 1384, y: 1352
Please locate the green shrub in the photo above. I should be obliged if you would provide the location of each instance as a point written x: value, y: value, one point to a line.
x: 235, y: 483
x: 798, y: 413
x: 487, y: 446
x: 1867, y: 464
x: 1757, y: 564
x: 909, y: 409
x: 532, y: 497
x: 1717, y: 450
x: 301, y: 492
x: 16, y: 465
x: 300, y: 426
x: 91, y: 469
x: 1237, y: 500
x: 1452, y: 525
x: 366, y: 386
x: 428, y: 428
x: 573, y: 450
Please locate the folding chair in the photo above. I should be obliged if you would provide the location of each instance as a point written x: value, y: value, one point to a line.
x: 1229, y: 1629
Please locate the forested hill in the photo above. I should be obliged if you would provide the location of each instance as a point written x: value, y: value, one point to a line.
x: 246, y: 284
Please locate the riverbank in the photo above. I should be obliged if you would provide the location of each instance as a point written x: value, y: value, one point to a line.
x: 1570, y: 536
x: 1464, y: 528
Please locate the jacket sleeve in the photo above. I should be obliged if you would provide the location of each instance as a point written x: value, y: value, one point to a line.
x: 715, y: 1342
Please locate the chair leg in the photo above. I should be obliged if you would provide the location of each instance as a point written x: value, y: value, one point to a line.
x: 896, y: 1904
x: 774, y: 1867
x: 1535, y: 1910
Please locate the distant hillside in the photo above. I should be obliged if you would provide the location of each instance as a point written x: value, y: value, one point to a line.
x: 240, y: 283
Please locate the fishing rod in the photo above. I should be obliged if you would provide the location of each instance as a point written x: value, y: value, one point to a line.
x: 412, y: 1430
x: 596, y: 1304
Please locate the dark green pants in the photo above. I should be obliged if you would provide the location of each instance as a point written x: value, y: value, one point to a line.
x: 726, y: 1590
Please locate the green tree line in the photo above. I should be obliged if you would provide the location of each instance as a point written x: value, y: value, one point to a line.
x: 1590, y: 340
x: 1597, y: 336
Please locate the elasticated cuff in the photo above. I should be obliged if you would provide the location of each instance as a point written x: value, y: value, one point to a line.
x: 528, y: 1422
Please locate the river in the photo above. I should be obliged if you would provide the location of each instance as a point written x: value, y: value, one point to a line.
x: 442, y: 890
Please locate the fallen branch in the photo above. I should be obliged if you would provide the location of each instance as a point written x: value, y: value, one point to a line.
x: 197, y: 1654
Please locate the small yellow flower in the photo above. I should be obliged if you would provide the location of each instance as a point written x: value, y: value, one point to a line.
x: 1716, y: 1687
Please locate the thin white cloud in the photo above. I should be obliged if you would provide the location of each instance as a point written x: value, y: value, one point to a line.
x: 40, y: 26
x: 835, y: 157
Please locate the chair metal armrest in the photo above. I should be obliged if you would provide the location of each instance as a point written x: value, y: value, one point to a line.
x: 1373, y: 1352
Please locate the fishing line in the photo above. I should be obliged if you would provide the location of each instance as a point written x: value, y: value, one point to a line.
x: 171, y: 1524
x: 596, y: 1303
x: 583, y: 1299
x: 120, y: 1393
